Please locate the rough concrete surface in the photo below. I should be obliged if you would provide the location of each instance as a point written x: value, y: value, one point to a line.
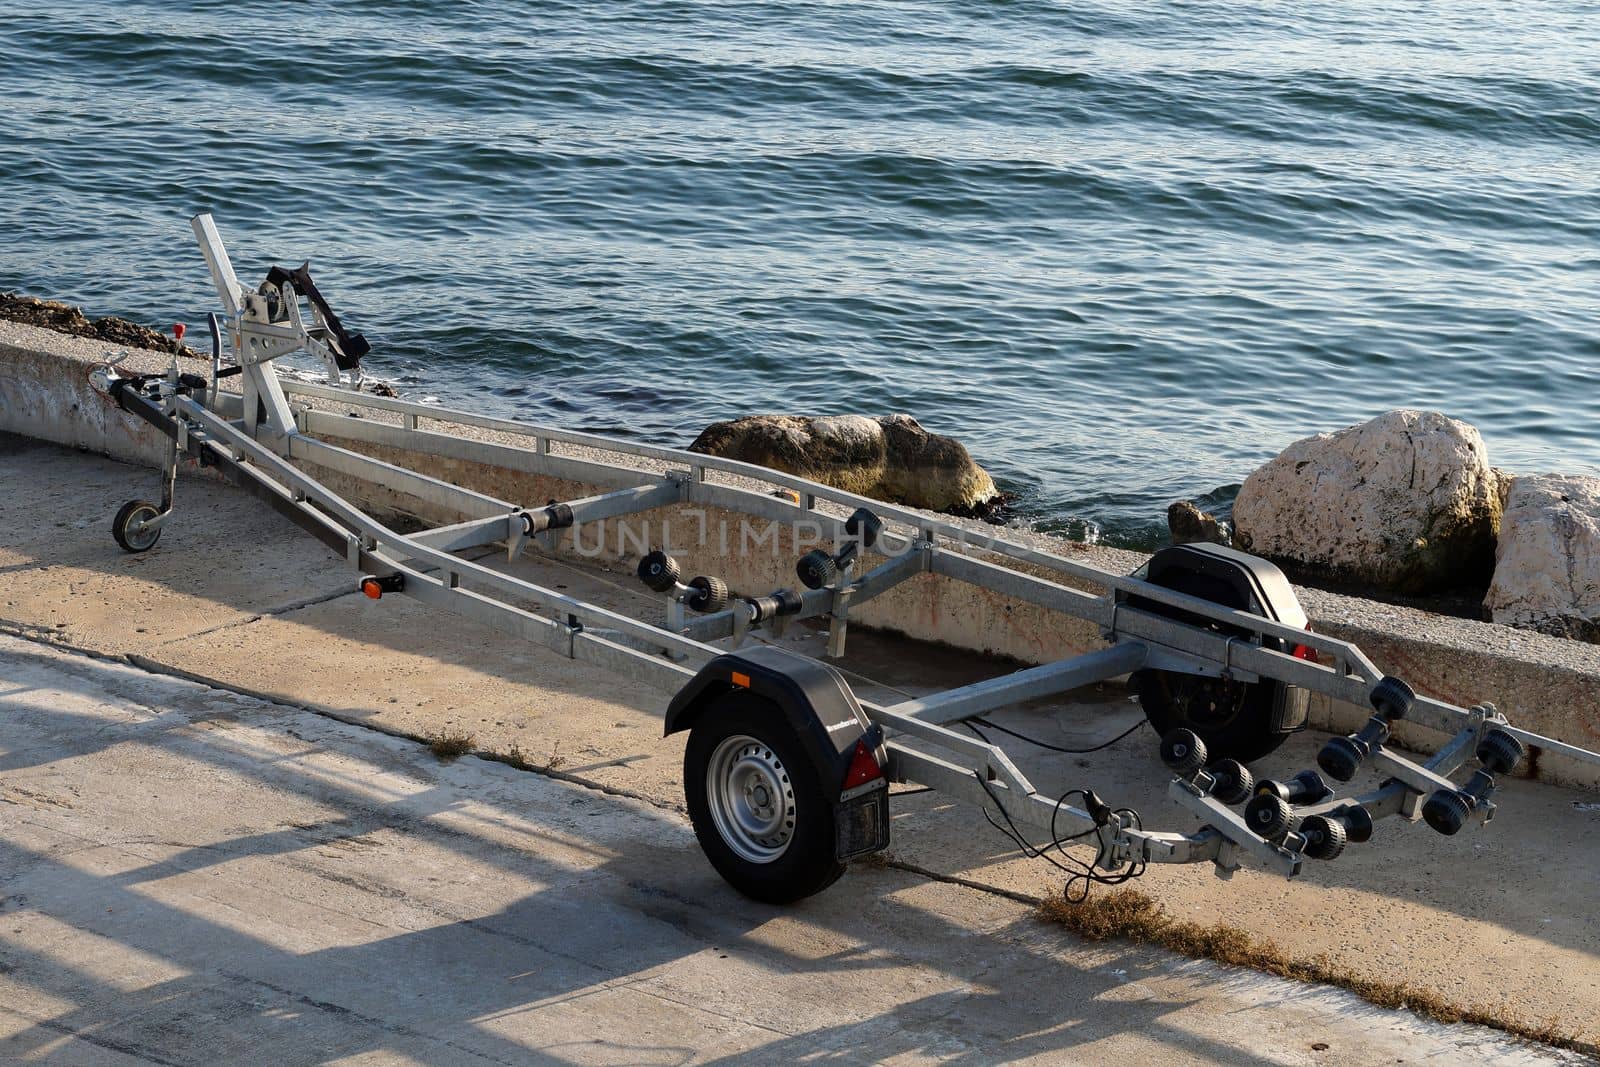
x: 192, y: 876
x: 1498, y: 917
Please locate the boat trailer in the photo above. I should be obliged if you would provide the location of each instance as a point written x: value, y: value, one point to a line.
x: 786, y: 769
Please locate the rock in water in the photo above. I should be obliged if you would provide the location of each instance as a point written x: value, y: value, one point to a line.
x: 1189, y: 524
x: 1547, y: 568
x: 889, y: 458
x: 1405, y: 502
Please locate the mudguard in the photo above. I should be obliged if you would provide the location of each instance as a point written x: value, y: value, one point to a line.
x: 1260, y: 585
x: 813, y: 697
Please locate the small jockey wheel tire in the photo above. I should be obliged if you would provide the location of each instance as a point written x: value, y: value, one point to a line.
x: 126, y: 527
x: 758, y: 803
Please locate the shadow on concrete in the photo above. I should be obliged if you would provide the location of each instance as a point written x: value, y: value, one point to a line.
x: 632, y: 913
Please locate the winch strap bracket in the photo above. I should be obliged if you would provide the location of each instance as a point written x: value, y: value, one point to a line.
x: 351, y: 347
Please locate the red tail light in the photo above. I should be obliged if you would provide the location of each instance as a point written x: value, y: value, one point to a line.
x: 863, y: 768
x: 1305, y: 651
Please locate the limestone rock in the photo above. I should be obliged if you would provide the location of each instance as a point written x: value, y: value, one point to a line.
x: 890, y: 458
x: 1405, y: 502
x: 1547, y: 568
x: 1187, y: 524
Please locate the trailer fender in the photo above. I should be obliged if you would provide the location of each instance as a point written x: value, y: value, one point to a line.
x: 813, y: 697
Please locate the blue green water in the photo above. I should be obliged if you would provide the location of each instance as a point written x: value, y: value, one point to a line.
x: 1125, y: 251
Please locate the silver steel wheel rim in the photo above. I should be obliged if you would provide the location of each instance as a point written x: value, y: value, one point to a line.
x: 751, y: 799
x: 137, y: 534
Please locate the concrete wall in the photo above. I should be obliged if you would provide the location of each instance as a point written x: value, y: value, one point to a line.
x: 45, y: 393
x: 1541, y: 683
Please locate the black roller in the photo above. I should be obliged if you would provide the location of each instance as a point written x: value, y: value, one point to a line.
x: 776, y: 603
x: 1325, y: 837
x: 658, y: 571
x: 1499, y: 752
x: 1307, y: 787
x: 1341, y: 757
x: 1234, y: 781
x: 1182, y: 751
x: 1357, y: 823
x: 1392, y: 698
x: 864, y: 526
x: 1447, y: 811
x: 1269, y: 816
x: 816, y: 569
x: 707, y: 595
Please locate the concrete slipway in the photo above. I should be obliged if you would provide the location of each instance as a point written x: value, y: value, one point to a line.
x: 258, y: 835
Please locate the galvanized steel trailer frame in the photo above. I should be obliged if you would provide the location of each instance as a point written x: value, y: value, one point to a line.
x: 257, y: 438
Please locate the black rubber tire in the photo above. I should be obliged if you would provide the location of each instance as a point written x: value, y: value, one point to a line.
x: 1268, y: 816
x: 1325, y: 837
x: 658, y: 571
x: 1182, y: 751
x: 816, y: 569
x: 808, y: 865
x: 1446, y: 811
x: 710, y: 595
x: 1234, y: 719
x: 1499, y: 752
x: 127, y: 515
x: 1234, y: 781
x: 1392, y: 698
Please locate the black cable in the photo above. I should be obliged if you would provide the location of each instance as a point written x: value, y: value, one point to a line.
x: 1079, y: 872
x: 1060, y: 748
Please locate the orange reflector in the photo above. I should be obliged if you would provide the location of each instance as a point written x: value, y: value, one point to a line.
x: 741, y: 680
x: 863, y: 768
x: 372, y: 588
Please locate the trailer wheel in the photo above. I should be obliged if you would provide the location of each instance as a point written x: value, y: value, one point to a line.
x: 128, y: 529
x: 757, y: 803
x: 1233, y: 718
